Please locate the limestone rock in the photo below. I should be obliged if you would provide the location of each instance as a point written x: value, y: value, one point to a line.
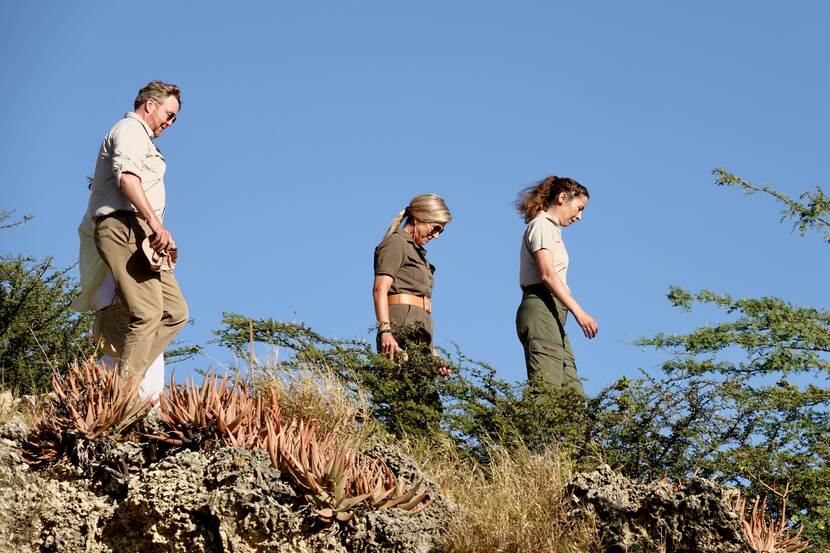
x: 225, y: 500
x: 633, y: 517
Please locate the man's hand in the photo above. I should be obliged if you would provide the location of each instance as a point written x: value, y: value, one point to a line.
x: 161, y: 240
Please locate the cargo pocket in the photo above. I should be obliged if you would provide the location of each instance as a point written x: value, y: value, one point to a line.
x: 545, y: 363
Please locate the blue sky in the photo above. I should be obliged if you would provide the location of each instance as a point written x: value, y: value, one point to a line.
x: 306, y: 126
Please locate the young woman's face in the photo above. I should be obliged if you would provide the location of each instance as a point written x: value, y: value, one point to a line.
x: 570, y: 210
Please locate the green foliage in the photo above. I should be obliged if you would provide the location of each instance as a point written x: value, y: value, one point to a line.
x: 744, y: 400
x: 180, y: 350
x: 777, y: 336
x: 5, y: 215
x: 403, y: 395
x: 811, y: 213
x: 750, y: 419
x: 38, y: 330
x: 481, y: 409
x: 651, y: 427
x: 411, y: 398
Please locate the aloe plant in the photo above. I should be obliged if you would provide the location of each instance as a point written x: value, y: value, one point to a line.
x: 215, y: 413
x: 332, y: 477
x: 91, y: 405
x: 764, y: 535
x: 86, y: 404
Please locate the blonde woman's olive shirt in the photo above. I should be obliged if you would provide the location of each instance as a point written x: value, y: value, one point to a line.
x: 399, y: 257
x: 406, y: 262
x: 542, y: 233
x: 127, y: 148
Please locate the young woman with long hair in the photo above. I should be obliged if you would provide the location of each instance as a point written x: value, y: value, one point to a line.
x: 548, y: 207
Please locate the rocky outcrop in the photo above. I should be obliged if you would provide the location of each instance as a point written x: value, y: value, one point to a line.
x: 233, y: 500
x: 226, y: 500
x: 695, y: 516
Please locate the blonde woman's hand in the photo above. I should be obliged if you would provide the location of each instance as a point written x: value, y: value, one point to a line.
x: 587, y: 323
x: 388, y: 345
x: 443, y: 370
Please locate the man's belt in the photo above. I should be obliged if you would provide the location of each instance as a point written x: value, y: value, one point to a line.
x: 408, y: 299
x: 117, y: 213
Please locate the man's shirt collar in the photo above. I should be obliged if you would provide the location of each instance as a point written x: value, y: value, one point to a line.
x: 133, y: 115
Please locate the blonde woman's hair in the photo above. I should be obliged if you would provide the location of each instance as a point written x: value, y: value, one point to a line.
x: 426, y: 208
x: 158, y: 91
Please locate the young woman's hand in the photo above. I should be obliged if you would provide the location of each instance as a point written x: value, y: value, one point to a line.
x: 388, y: 345
x: 587, y: 323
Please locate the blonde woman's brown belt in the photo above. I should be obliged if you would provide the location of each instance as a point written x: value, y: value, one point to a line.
x: 409, y: 299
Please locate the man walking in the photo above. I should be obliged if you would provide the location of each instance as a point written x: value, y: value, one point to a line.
x: 127, y: 205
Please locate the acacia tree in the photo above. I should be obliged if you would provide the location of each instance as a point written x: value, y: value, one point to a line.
x: 39, y: 332
x: 759, y: 419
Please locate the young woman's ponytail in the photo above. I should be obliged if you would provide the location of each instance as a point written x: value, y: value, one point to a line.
x: 542, y: 195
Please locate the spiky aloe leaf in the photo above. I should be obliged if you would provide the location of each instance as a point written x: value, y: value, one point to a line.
x: 418, y: 503
x: 340, y: 489
x: 326, y: 514
x: 349, y: 502
x: 344, y: 516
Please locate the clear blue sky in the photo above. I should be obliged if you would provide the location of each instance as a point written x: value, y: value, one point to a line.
x: 306, y: 126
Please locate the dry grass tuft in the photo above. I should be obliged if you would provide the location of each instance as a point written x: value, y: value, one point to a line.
x: 8, y: 406
x: 320, y: 397
x: 517, y: 504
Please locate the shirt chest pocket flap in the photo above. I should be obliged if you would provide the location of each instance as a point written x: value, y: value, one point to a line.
x: 155, y: 164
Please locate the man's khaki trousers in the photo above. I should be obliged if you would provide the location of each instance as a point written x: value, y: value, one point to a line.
x: 153, y: 299
x: 540, y: 324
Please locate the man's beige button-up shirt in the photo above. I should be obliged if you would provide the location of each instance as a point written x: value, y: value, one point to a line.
x: 127, y: 148
x: 542, y: 233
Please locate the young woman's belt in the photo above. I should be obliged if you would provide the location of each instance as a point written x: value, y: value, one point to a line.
x: 409, y: 299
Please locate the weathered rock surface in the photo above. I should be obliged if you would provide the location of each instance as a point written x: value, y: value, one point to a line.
x: 233, y: 500
x: 695, y: 517
x: 230, y: 500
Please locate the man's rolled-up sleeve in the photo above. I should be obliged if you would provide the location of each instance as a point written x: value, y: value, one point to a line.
x: 129, y: 148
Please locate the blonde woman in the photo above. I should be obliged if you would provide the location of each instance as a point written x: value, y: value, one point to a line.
x: 403, y: 282
x: 547, y: 208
